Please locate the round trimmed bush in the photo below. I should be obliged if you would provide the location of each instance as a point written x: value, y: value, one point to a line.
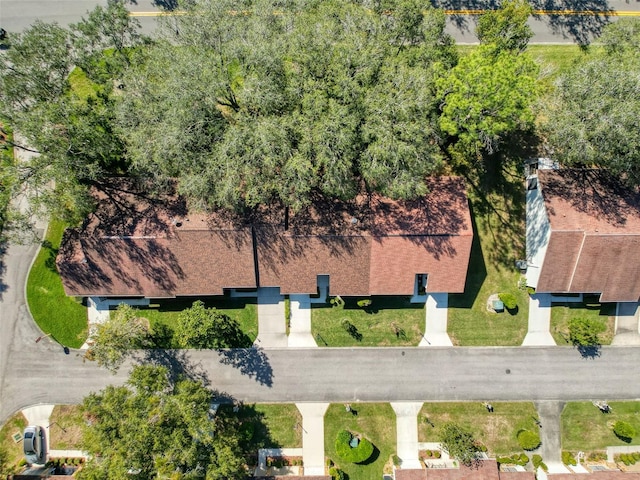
x: 528, y: 440
x: 509, y: 299
x: 336, y: 473
x: 624, y: 431
x: 346, y: 452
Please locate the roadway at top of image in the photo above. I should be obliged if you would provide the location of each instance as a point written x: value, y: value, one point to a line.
x: 554, y: 21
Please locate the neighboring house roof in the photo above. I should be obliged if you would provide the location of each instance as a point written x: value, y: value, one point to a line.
x: 597, y: 475
x: 595, y: 235
x: 136, y: 246
x: 485, y: 470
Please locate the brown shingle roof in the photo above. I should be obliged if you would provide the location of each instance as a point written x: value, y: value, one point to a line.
x: 137, y: 246
x: 599, y: 475
x: 485, y: 470
x: 595, y: 235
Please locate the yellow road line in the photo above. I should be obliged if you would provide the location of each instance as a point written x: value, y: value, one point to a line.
x: 609, y: 13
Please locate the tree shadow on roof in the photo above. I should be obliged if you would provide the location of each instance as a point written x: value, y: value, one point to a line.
x: 252, y: 362
x: 594, y: 192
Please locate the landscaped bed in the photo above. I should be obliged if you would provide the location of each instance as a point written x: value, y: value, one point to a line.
x: 388, y: 321
x: 13, y: 450
x: 586, y: 428
x: 496, y: 430
x: 64, y: 318
x: 561, y: 314
x: 374, y: 421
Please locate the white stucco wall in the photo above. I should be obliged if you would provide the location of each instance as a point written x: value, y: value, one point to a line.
x: 538, y: 233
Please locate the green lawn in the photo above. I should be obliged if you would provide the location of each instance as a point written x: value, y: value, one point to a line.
x: 561, y: 314
x: 376, y: 422
x: 497, y: 430
x: 162, y: 316
x: 275, y: 425
x: 389, y: 321
x: 491, y: 271
x: 586, y: 428
x: 65, y: 318
x: 12, y: 449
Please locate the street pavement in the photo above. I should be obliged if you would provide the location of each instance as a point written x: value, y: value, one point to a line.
x: 16, y: 15
x: 43, y: 373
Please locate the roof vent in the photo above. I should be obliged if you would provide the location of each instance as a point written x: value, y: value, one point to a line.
x: 354, y: 220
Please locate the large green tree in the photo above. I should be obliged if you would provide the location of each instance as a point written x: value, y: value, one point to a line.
x: 114, y: 339
x: 506, y: 28
x: 154, y: 427
x: 593, y: 116
x: 277, y: 105
x: 61, y: 113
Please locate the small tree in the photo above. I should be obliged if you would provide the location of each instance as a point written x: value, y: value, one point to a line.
x: 528, y: 440
x: 624, y: 431
x: 585, y: 332
x: 115, y: 338
x: 458, y: 443
x: 201, y: 327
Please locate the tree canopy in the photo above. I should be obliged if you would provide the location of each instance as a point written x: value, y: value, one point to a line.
x: 593, y: 119
x: 276, y: 105
x: 459, y: 443
x: 114, y: 339
x: 277, y: 102
x: 154, y: 427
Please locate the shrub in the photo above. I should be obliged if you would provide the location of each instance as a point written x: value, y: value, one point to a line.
x: 523, y: 459
x: 504, y: 460
x: 364, y: 303
x: 436, y: 454
x: 636, y: 456
x: 536, y: 460
x: 396, y: 460
x: 336, y: 474
x: 528, y: 440
x: 346, y: 452
x: 509, y: 299
x: 568, y: 458
x: 597, y: 456
x: 624, y: 431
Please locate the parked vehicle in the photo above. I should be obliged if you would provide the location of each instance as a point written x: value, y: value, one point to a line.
x: 35, y: 446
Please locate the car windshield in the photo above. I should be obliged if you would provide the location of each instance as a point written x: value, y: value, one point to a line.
x: 29, y: 447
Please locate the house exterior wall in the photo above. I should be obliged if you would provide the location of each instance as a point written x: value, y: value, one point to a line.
x: 538, y: 235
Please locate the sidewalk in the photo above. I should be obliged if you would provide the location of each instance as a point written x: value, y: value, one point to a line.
x: 313, y: 437
x: 407, y: 433
x: 539, y: 321
x: 627, y: 314
x: 272, y: 326
x: 551, y: 448
x: 435, y: 330
x: 300, y: 322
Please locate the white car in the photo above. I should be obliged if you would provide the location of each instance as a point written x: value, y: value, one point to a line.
x: 35, y: 445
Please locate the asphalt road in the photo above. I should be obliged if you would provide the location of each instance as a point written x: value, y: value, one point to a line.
x: 16, y: 15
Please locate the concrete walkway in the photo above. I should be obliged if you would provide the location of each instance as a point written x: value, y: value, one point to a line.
x: 272, y: 325
x: 313, y: 437
x: 300, y: 322
x: 407, y: 432
x: 551, y: 448
x: 627, y: 314
x: 539, y: 321
x: 435, y: 330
